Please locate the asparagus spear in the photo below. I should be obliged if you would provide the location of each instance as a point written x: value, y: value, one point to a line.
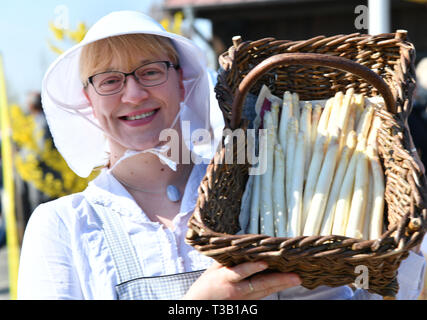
x: 377, y: 213
x: 275, y: 115
x: 369, y: 204
x: 317, y: 112
x: 320, y: 198
x: 294, y: 226
x: 378, y: 187
x: 335, y: 112
x: 305, y: 124
x: 343, y: 206
x: 329, y: 216
x: 313, y: 174
x: 296, y: 112
x: 279, y: 203
x: 357, y: 212
x: 290, y: 152
x: 266, y: 213
x: 284, y: 117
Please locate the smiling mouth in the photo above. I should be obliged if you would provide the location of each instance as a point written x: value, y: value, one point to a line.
x: 139, y: 116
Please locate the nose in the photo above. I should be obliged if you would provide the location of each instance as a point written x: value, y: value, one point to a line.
x: 133, y: 92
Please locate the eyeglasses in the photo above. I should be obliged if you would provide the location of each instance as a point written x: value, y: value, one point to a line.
x: 148, y: 75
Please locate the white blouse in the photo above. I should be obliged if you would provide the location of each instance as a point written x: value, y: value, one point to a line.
x: 65, y: 255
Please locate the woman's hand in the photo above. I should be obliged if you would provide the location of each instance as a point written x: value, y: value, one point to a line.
x: 239, y: 282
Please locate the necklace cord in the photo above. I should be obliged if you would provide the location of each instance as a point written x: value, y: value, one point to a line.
x: 172, y: 192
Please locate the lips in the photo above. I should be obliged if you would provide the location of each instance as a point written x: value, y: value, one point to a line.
x: 139, y: 118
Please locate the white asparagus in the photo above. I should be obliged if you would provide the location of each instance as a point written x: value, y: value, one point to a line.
x: 365, y: 121
x: 284, y: 117
x: 313, y: 174
x: 372, y: 136
x: 313, y: 187
x: 296, y: 112
x: 294, y: 218
x: 275, y: 115
x: 377, y: 213
x: 318, y: 155
x: 357, y: 212
x: 335, y: 112
x: 283, y: 128
x: 305, y: 127
x: 320, y: 198
x: 345, y: 110
x: 328, y: 220
x: 351, y: 124
x: 317, y: 112
x: 290, y: 152
x: 253, y: 227
x: 359, y: 102
x: 266, y: 206
x: 369, y: 205
x: 345, y: 116
x: 378, y: 187
x: 279, y: 203
x: 322, y: 126
x: 343, y: 205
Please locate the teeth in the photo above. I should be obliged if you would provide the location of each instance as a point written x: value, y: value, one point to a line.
x: 141, y: 116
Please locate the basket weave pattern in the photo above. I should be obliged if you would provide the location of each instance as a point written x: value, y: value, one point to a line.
x: 320, y: 260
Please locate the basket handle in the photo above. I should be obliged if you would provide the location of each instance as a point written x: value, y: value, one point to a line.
x: 315, y: 59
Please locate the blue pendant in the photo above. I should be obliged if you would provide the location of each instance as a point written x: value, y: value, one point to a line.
x: 173, y: 193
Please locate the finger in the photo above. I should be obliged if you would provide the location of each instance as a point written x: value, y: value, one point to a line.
x: 265, y: 285
x: 243, y: 270
x: 275, y: 279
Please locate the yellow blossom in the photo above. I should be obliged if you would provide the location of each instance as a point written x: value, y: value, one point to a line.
x: 78, y: 34
x: 177, y: 22
x: 57, y: 32
x: 59, y: 180
x: 54, y: 48
x: 165, y: 23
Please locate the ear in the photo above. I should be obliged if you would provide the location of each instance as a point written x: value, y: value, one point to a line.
x: 84, y: 90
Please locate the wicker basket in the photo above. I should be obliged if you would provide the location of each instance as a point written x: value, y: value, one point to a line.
x: 316, y: 69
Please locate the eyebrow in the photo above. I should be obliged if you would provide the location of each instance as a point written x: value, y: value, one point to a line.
x: 142, y: 62
x: 146, y: 61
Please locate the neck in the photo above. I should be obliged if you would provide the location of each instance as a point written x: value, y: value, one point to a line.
x: 147, y: 172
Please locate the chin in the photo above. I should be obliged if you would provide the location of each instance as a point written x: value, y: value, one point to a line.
x: 144, y: 146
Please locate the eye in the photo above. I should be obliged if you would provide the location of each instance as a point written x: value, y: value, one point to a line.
x: 150, y: 72
x: 110, y: 81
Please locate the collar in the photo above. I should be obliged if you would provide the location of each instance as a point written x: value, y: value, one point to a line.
x: 107, y: 191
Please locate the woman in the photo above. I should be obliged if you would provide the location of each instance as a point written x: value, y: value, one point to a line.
x: 118, y: 94
x: 109, y: 102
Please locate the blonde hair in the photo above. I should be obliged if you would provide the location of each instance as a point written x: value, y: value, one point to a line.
x: 126, y: 50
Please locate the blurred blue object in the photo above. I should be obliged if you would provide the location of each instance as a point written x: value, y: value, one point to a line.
x: 249, y: 112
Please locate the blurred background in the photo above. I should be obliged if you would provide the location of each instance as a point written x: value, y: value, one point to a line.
x: 34, y: 34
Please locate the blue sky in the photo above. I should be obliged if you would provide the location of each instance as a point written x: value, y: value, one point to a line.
x: 24, y: 35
